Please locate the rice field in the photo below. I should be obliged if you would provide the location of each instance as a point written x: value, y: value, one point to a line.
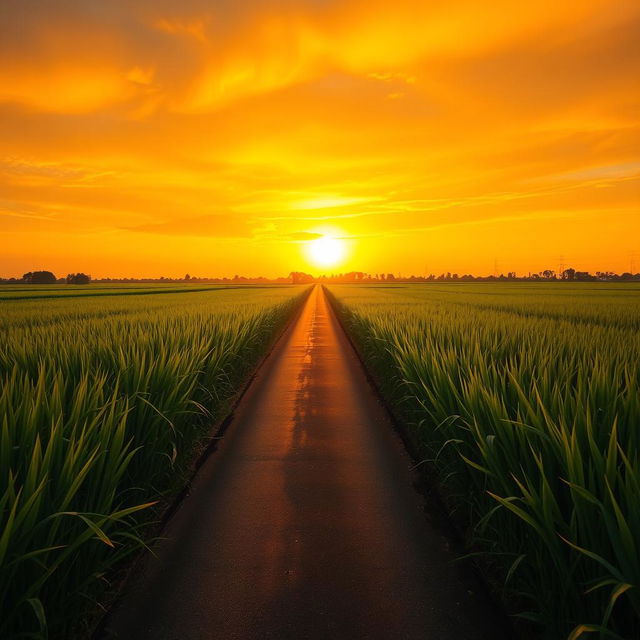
x: 30, y: 292
x: 106, y: 395
x: 524, y: 400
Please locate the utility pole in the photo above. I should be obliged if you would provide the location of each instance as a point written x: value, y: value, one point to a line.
x: 560, y: 266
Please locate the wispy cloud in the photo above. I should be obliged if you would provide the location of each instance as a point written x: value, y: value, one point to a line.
x: 417, y: 127
x: 215, y: 225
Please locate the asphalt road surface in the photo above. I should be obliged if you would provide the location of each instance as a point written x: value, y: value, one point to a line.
x: 305, y: 524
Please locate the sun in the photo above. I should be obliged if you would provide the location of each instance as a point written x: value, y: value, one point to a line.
x: 326, y: 251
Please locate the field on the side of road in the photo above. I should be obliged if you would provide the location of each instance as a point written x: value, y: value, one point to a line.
x: 106, y: 395
x: 525, y: 399
x: 33, y: 291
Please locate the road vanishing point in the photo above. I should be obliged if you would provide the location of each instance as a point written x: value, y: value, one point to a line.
x: 305, y: 523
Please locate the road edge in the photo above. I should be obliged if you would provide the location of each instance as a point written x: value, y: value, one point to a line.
x: 218, y: 429
x: 426, y: 484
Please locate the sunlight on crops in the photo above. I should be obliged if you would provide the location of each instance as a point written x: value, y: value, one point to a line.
x: 525, y: 399
x: 104, y: 400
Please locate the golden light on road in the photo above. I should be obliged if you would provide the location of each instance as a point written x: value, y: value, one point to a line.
x: 326, y: 251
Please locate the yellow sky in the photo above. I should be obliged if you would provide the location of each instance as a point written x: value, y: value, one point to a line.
x: 156, y: 138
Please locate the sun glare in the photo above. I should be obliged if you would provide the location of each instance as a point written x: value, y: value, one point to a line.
x: 326, y: 251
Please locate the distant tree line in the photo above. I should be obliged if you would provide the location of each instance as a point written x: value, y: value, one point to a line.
x: 548, y: 275
x: 300, y: 277
x: 47, y: 277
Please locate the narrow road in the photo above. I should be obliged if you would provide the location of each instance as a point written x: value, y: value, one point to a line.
x: 304, y: 524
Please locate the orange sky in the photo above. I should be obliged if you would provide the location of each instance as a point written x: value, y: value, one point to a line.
x: 154, y: 138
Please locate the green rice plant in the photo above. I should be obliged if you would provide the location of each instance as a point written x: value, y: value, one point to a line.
x: 104, y: 401
x: 526, y: 402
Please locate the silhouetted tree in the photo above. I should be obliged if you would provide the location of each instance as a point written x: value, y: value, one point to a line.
x: 39, y: 277
x: 78, y: 278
